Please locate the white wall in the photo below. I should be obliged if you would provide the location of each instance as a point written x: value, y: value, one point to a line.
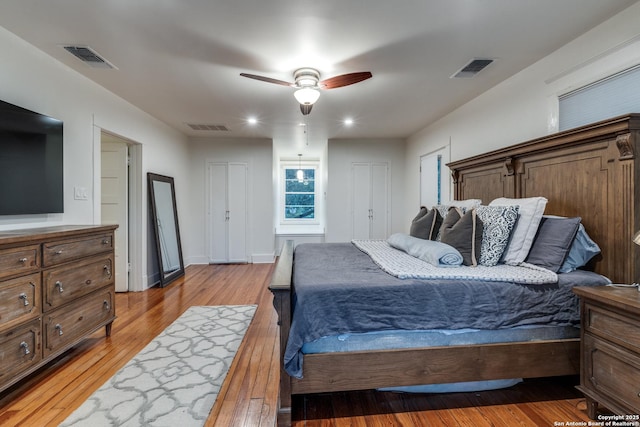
x: 33, y: 80
x: 312, y: 148
x: 257, y: 153
x: 341, y: 153
x: 525, y: 106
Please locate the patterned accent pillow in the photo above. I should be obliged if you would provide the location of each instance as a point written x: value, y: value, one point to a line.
x: 498, y: 223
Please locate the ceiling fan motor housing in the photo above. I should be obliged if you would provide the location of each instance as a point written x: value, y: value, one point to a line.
x: 306, y: 77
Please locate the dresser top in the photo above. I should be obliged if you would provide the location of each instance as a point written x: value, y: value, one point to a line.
x: 61, y: 231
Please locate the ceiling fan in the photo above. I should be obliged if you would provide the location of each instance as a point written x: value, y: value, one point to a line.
x: 307, y: 82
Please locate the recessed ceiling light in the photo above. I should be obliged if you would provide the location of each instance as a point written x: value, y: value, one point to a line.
x: 348, y: 121
x: 252, y: 120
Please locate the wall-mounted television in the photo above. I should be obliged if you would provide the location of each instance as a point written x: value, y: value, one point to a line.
x: 31, y: 172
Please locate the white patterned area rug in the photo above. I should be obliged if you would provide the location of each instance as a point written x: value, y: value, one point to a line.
x: 176, y: 378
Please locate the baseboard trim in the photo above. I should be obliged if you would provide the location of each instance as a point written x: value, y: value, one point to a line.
x: 263, y: 258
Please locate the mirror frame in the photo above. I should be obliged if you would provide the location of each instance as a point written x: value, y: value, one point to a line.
x: 165, y: 279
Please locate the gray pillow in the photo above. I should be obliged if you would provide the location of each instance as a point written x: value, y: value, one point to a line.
x: 552, y: 242
x: 426, y: 224
x: 463, y: 232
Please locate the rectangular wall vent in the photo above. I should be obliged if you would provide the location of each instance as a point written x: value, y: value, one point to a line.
x: 88, y: 56
x: 217, y: 128
x: 471, y: 69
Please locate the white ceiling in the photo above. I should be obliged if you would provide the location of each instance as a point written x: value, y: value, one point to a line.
x: 180, y: 60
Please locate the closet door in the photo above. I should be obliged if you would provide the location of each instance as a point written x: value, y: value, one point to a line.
x: 370, y: 200
x: 379, y: 201
x: 361, y: 200
x: 218, y: 233
x: 227, y: 212
x: 237, y: 212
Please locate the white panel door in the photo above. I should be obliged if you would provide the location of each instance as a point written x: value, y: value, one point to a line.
x: 361, y: 200
x: 237, y: 212
x: 114, y: 204
x: 370, y: 200
x: 379, y: 201
x: 218, y: 235
x: 227, y: 212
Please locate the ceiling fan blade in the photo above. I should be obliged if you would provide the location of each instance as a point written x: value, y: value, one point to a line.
x: 345, y: 80
x: 266, y: 79
x: 305, y: 108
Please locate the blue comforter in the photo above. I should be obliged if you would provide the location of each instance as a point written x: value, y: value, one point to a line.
x: 339, y: 289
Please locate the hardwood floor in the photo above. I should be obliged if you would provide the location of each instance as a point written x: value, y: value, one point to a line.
x: 249, y: 395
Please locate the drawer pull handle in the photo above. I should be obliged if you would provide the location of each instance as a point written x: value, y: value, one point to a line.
x: 58, y: 252
x: 59, y: 286
x: 25, y: 348
x: 105, y: 242
x: 24, y: 298
x: 107, y: 270
x: 106, y: 305
x: 24, y: 260
x: 58, y: 328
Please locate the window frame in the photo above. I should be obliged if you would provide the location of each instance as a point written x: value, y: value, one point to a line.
x: 284, y: 165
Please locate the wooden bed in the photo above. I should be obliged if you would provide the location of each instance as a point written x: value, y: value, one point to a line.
x: 588, y: 172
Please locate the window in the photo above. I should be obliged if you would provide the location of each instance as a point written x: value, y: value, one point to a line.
x: 299, y: 193
x: 603, y: 99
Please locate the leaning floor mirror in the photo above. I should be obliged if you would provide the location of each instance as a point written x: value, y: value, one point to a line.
x: 162, y: 196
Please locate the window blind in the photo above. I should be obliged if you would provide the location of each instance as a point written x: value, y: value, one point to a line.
x: 609, y: 97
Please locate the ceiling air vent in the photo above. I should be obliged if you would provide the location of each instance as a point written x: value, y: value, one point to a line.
x: 217, y: 128
x: 88, y: 56
x: 472, y: 68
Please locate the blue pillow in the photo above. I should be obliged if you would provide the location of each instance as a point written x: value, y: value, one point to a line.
x: 581, y: 252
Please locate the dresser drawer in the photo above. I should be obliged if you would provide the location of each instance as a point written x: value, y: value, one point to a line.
x: 620, y: 328
x: 20, y: 348
x: 66, y: 250
x: 20, y: 300
x: 66, y: 283
x: 612, y: 372
x: 17, y: 261
x: 66, y: 326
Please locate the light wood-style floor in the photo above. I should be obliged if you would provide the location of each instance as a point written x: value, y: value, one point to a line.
x: 249, y: 395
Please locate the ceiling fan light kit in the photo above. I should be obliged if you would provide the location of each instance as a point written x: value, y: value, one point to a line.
x: 306, y: 95
x: 308, y: 84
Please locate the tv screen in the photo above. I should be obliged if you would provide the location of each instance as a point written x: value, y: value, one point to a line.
x: 31, y: 173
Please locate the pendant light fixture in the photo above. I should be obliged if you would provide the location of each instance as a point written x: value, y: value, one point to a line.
x: 300, y: 172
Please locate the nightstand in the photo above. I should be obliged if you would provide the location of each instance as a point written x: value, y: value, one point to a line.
x: 610, y: 348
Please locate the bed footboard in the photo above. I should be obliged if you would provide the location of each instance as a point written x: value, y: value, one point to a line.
x: 331, y: 372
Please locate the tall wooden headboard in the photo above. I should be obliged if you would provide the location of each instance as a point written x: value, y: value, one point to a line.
x: 590, y: 171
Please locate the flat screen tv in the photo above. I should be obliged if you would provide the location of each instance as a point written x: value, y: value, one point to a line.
x: 31, y: 173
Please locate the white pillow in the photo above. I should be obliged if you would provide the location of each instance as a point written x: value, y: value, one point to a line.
x: 467, y: 204
x: 529, y: 217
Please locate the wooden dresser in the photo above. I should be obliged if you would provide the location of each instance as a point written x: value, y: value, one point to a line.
x: 56, y: 288
x: 610, y: 348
